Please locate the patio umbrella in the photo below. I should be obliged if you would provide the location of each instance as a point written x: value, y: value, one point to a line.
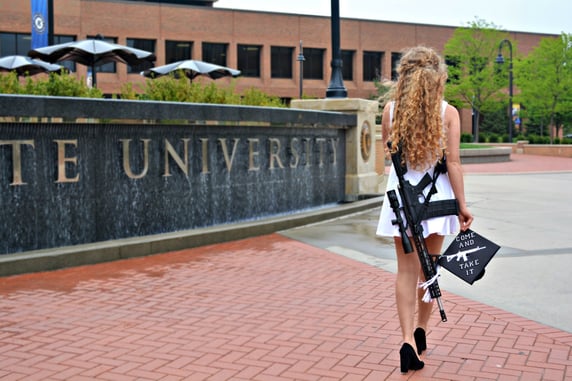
x: 23, y: 65
x: 92, y: 53
x: 192, y: 69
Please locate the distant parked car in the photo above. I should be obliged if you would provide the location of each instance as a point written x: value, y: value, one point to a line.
x: 568, y: 136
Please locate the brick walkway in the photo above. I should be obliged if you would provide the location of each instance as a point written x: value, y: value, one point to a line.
x: 520, y: 164
x: 267, y: 308
x: 523, y: 163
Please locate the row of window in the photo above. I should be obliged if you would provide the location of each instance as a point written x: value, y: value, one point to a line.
x: 248, y: 57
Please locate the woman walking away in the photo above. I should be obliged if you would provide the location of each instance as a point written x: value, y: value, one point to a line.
x: 425, y: 127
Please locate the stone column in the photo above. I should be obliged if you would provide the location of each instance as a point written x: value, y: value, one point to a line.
x: 361, y: 176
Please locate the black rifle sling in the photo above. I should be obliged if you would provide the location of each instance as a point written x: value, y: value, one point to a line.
x: 437, y: 208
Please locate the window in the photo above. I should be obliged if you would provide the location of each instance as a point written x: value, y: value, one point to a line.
x: 15, y: 43
x: 348, y: 65
x: 214, y: 53
x: 108, y: 67
x: 314, y: 64
x: 141, y: 44
x: 395, y: 58
x: 281, y: 62
x: 21, y: 43
x: 249, y: 60
x: 178, y: 51
x: 372, y: 65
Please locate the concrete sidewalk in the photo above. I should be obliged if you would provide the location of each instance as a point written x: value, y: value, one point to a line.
x: 524, y: 213
x: 289, y: 307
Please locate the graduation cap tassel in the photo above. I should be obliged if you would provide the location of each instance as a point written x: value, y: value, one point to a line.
x: 425, y: 285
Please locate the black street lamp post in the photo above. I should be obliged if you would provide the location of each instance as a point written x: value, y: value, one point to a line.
x: 336, y: 88
x: 301, y: 59
x: 500, y: 60
x: 50, y: 22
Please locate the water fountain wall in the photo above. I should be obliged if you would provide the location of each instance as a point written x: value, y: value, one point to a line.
x: 72, y: 183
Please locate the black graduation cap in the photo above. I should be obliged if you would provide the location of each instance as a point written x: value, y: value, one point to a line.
x: 468, y: 255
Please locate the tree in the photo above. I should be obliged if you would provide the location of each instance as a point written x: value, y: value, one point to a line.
x: 545, y: 82
x: 474, y: 78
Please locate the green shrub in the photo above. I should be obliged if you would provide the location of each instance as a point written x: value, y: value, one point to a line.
x: 484, y: 137
x: 255, y: 97
x: 466, y: 138
x: 536, y: 139
x: 179, y: 89
x: 128, y: 92
x: 9, y: 83
x: 494, y: 138
x: 519, y: 137
x: 167, y: 88
x: 171, y: 88
x: 65, y: 85
x: 174, y: 88
x: 211, y: 93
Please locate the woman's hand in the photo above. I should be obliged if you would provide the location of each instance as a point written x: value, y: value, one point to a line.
x: 465, y: 218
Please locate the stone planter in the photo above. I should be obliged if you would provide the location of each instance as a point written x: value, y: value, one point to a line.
x: 485, y: 155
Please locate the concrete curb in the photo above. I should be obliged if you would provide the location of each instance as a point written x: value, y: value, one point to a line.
x: 79, y: 255
x: 480, y: 155
x: 485, y: 155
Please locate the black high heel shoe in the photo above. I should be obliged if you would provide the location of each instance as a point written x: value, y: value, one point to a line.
x: 409, y: 360
x: 420, y: 340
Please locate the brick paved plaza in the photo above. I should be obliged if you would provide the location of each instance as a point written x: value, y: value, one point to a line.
x: 267, y: 308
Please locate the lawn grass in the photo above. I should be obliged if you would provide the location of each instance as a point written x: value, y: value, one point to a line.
x: 473, y: 146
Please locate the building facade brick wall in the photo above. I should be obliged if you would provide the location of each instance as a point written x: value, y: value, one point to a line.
x: 161, y: 22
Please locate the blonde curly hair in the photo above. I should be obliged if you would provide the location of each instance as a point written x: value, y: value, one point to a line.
x: 417, y: 123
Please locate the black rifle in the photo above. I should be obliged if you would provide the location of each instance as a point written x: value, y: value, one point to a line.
x: 415, y: 212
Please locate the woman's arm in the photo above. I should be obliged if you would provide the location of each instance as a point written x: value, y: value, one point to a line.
x: 385, y: 127
x: 453, y: 128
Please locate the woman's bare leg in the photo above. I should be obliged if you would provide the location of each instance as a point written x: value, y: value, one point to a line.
x: 408, y: 268
x: 407, y: 294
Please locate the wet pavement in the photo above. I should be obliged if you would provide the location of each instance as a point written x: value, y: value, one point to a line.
x: 528, y: 276
x: 311, y: 303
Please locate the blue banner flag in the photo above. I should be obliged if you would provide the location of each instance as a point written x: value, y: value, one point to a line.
x: 39, y: 23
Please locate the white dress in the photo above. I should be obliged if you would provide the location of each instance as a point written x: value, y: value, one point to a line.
x: 444, y: 225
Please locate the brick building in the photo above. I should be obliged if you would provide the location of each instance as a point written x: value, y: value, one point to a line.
x: 263, y: 45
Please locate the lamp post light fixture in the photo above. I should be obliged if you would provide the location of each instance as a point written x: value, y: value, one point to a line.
x: 336, y: 88
x: 301, y: 59
x: 500, y: 60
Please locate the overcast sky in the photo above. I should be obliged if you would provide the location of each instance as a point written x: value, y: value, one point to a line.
x: 537, y: 16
